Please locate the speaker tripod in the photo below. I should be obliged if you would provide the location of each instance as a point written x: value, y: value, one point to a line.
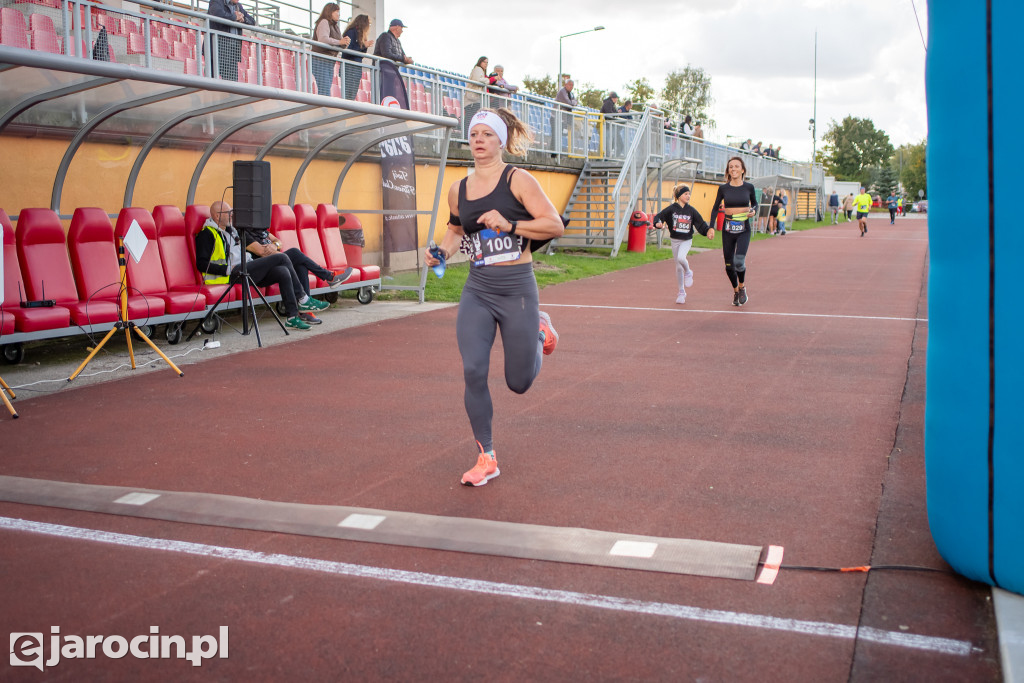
x: 4, y: 390
x: 123, y: 323
x: 242, y: 277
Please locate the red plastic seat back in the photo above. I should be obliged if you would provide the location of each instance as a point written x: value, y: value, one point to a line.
x: 93, y: 255
x: 330, y: 237
x: 309, y: 236
x: 282, y: 224
x: 195, y: 216
x: 12, y: 269
x: 176, y: 247
x: 43, y: 253
x: 146, y: 276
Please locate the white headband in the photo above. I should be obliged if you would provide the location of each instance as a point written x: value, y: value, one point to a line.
x: 492, y: 121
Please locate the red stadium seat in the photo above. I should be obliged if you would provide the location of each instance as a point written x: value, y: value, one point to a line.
x: 147, y: 276
x: 43, y: 253
x: 41, y: 22
x: 94, y: 260
x: 12, y: 28
x: 45, y: 41
x: 309, y: 239
x: 282, y: 224
x: 14, y: 318
x: 159, y: 47
x: 330, y: 238
x: 354, y: 252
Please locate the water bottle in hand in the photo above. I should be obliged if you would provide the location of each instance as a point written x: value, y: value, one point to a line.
x: 436, y: 252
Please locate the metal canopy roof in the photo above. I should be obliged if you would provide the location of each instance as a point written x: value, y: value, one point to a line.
x: 86, y: 100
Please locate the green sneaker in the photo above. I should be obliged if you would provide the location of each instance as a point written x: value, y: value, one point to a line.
x: 313, y: 305
x: 296, y: 323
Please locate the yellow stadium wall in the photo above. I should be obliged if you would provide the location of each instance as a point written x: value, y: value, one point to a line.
x: 99, y: 172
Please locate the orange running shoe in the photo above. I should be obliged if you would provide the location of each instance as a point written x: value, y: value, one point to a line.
x: 485, y: 470
x: 550, y: 335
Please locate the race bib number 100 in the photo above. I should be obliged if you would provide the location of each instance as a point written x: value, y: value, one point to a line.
x: 490, y: 247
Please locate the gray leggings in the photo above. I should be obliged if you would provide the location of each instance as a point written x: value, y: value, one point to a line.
x: 495, y: 297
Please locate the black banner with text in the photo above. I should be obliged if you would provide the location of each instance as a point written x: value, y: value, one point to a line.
x: 398, y: 173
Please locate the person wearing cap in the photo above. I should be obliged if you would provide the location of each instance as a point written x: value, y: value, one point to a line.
x: 610, y: 105
x: 388, y: 44
x: 498, y: 214
x: 681, y: 219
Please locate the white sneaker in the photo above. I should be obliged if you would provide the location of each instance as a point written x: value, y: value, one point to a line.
x: 688, y: 279
x: 681, y: 299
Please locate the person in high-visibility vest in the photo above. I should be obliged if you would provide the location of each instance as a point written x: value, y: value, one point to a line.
x: 862, y: 203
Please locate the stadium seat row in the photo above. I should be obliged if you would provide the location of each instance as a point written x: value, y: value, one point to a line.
x: 77, y: 275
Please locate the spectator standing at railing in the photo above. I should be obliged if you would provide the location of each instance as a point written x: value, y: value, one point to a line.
x: 389, y: 46
x: 747, y: 146
x: 358, y: 34
x: 686, y: 128
x: 756, y: 149
x: 698, y: 132
x: 610, y: 105
x: 327, y: 31
x: 475, y: 89
x: 565, y: 96
x: 229, y: 50
x: 770, y: 152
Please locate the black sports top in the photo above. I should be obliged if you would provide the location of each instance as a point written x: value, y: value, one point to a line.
x: 500, y: 198
x: 681, y: 221
x: 734, y: 197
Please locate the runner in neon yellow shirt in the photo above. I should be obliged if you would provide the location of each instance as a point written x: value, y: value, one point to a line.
x: 862, y: 203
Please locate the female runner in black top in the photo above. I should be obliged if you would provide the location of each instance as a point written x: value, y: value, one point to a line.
x: 499, y: 209
x: 737, y: 200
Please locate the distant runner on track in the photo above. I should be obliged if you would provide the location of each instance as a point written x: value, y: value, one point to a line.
x: 737, y: 200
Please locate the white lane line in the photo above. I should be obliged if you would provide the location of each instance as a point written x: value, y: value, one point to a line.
x: 736, y: 312
x: 811, y: 628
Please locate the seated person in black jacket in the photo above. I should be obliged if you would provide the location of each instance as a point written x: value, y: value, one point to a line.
x: 219, y: 256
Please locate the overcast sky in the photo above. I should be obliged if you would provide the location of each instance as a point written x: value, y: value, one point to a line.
x: 759, y: 53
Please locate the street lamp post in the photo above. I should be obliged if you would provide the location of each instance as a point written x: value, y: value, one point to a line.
x: 589, y: 30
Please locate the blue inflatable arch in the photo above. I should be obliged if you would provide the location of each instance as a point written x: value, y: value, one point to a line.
x: 974, y: 452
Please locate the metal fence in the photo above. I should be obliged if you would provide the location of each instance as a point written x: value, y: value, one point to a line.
x: 162, y: 37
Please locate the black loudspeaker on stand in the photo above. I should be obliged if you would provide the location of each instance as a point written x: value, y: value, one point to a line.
x: 251, y: 185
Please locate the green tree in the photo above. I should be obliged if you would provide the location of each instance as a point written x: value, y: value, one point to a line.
x: 914, y: 169
x: 885, y: 180
x: 543, y: 86
x: 589, y: 96
x: 641, y: 92
x: 851, y: 147
x: 689, y: 92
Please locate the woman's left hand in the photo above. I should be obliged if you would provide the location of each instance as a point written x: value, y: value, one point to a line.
x: 495, y: 221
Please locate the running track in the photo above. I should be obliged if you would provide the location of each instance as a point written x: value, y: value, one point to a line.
x: 795, y: 421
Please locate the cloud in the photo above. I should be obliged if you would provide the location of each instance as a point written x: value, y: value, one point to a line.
x: 759, y: 53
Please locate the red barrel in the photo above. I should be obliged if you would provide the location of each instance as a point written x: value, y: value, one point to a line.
x: 638, y: 224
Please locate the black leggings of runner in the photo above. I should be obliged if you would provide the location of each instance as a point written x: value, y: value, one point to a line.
x: 505, y: 298
x: 892, y: 215
x: 734, y: 248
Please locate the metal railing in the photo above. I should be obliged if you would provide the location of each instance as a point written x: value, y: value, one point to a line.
x: 633, y: 175
x: 162, y: 37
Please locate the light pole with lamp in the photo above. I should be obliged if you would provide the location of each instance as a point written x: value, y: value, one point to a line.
x: 559, y: 77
